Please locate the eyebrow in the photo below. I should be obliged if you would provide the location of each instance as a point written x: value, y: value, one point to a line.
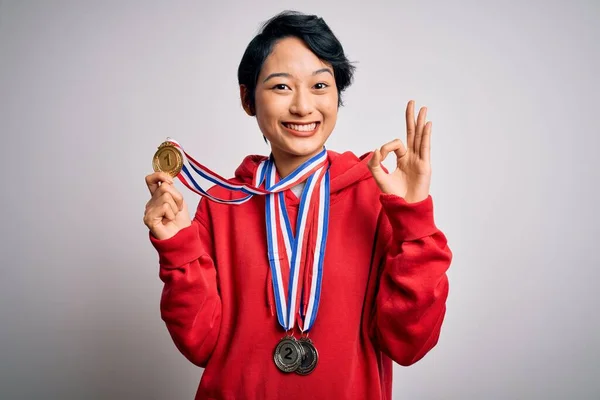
x: 286, y: 75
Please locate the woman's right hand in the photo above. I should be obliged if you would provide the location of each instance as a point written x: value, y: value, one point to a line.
x: 166, y: 212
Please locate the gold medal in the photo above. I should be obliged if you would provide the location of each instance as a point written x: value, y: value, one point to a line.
x: 167, y: 159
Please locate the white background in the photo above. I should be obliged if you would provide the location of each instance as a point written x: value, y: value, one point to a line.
x: 88, y: 90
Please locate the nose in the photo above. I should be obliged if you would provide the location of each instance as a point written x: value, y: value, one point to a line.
x: 301, y: 104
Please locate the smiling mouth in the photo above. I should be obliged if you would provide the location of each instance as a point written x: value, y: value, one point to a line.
x: 310, y: 127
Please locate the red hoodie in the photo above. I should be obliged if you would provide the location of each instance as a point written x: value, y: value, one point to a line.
x: 383, y: 296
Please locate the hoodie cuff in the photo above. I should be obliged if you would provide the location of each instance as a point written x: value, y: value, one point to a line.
x: 180, y: 249
x: 410, y: 221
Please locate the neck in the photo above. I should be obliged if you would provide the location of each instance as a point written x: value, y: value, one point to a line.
x: 287, y: 163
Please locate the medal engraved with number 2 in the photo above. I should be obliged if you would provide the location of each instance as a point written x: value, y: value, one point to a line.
x: 167, y: 159
x: 288, y: 354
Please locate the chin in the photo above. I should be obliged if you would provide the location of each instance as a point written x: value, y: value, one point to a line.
x: 304, y: 148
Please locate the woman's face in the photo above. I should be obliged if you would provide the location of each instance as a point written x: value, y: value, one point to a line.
x: 296, y: 101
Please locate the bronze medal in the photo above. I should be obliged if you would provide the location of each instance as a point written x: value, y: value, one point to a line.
x: 288, y: 354
x: 310, y: 359
x: 168, y: 159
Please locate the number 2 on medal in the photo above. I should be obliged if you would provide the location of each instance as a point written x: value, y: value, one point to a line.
x: 168, y: 159
x: 289, y: 352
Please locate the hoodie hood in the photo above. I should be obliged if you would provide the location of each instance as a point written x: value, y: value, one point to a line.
x: 346, y: 169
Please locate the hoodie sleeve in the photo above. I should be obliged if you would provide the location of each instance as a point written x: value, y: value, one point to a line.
x: 411, y: 300
x: 190, y: 303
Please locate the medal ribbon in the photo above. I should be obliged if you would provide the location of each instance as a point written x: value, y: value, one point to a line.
x: 316, y: 190
x: 315, y: 172
x: 190, y: 165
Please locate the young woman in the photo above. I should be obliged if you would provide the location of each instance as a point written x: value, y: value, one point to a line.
x: 331, y: 270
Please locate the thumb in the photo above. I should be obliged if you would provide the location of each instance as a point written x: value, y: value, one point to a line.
x: 375, y: 166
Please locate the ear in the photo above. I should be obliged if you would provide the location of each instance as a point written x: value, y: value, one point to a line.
x: 244, y: 97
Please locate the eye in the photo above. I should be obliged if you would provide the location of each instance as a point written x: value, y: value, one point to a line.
x: 321, y: 85
x: 281, y: 86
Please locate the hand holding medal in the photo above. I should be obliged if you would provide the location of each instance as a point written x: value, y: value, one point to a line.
x: 166, y: 212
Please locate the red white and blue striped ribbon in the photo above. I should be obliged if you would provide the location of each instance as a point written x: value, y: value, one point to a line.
x: 315, y: 172
x: 317, y: 186
x: 190, y: 165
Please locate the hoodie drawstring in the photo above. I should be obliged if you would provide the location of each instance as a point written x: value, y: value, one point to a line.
x: 269, y: 288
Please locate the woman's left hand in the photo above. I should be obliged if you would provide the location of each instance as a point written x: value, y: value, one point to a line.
x: 412, y: 177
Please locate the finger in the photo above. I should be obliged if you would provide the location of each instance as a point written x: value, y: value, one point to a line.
x: 154, y: 180
x: 419, y: 129
x: 375, y: 161
x: 394, y: 146
x: 167, y: 198
x: 165, y: 187
x: 426, y: 143
x: 375, y: 166
x: 175, y: 194
x: 410, y: 124
x: 400, y: 151
x: 157, y: 212
x: 158, y: 200
x: 168, y: 212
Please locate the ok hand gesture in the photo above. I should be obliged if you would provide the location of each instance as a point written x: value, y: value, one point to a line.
x: 412, y: 177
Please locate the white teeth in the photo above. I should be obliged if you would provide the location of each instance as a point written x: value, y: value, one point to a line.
x: 303, y: 128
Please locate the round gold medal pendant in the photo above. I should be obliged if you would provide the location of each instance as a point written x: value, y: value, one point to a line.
x: 288, y: 354
x: 168, y: 159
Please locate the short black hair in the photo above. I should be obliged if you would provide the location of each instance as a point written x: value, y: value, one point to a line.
x: 313, y: 31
